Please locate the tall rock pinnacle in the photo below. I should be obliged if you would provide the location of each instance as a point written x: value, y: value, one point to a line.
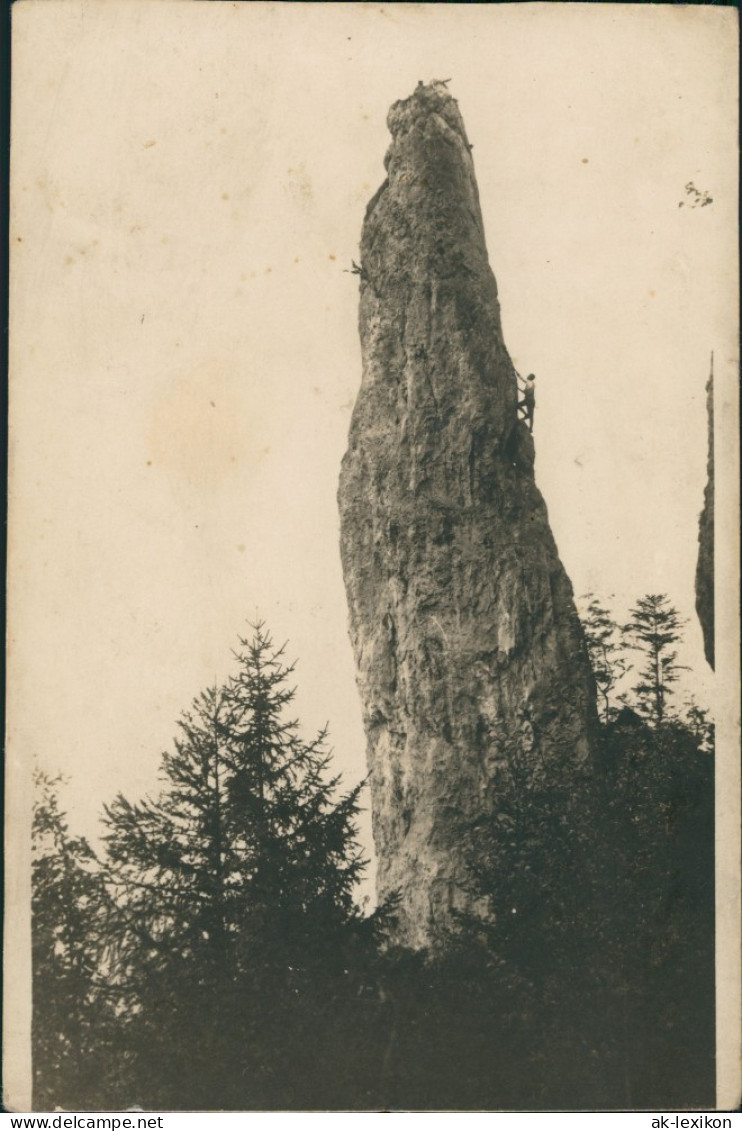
x: 466, y: 639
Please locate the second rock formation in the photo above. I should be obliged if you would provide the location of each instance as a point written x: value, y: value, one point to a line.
x: 705, y: 566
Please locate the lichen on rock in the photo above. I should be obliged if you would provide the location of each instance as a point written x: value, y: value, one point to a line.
x: 465, y: 634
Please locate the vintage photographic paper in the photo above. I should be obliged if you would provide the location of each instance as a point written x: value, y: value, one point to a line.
x: 495, y: 601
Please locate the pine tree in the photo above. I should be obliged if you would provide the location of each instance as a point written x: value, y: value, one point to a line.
x: 701, y: 726
x: 166, y: 859
x: 234, y: 893
x: 71, y: 1009
x: 653, y: 630
x: 305, y: 859
x: 605, y: 649
x: 246, y: 840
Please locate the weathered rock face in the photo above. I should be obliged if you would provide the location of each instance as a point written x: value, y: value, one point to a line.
x: 705, y: 566
x: 466, y: 638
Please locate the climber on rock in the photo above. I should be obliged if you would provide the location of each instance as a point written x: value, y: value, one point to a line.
x: 528, y: 404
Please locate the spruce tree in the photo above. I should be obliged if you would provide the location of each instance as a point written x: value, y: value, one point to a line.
x: 234, y: 893
x: 246, y: 837
x: 605, y: 649
x: 653, y: 630
x: 72, y: 1011
x: 302, y: 849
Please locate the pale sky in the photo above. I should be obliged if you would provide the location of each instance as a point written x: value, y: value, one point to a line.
x: 188, y: 187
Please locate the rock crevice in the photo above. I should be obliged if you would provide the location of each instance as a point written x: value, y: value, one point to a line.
x: 465, y: 634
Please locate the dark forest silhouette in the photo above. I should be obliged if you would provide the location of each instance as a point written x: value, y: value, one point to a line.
x: 212, y: 954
